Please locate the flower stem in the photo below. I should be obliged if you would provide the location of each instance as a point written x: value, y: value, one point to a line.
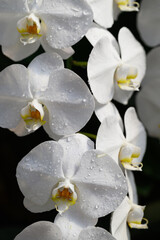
x: 79, y: 63
x: 90, y: 135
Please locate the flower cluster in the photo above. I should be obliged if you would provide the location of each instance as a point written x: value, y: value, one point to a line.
x: 68, y: 173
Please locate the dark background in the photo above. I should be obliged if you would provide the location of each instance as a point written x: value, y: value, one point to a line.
x: 14, y: 217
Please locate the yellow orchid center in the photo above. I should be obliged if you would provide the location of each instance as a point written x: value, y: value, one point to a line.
x: 127, y: 5
x: 64, y: 196
x: 30, y: 29
x: 33, y: 115
x: 135, y: 217
x: 126, y: 77
x: 128, y: 157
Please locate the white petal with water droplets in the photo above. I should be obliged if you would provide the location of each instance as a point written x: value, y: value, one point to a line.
x: 101, y: 184
x: 69, y: 102
x: 39, y: 171
x: 95, y: 233
x: 65, y: 53
x: 67, y: 21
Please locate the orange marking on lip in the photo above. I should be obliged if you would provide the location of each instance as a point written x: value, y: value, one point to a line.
x: 65, y: 194
x: 35, y: 114
x: 32, y: 29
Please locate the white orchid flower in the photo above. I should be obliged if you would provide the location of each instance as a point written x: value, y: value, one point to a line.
x: 106, y: 11
x: 129, y: 213
x: 44, y: 94
x: 55, y: 24
x: 127, y: 150
x: 148, y: 99
x: 116, y: 71
x: 44, y: 230
x: 148, y: 22
x: 69, y: 172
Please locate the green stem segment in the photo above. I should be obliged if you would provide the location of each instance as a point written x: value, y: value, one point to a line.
x: 79, y: 63
x: 90, y: 135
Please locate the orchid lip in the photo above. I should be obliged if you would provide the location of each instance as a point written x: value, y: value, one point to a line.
x: 33, y: 115
x: 127, y: 155
x: 126, y: 77
x: 64, y: 195
x: 30, y: 28
x: 127, y: 5
x: 135, y: 217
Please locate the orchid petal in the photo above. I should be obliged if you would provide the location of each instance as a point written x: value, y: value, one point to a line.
x: 132, y: 52
x: 148, y: 22
x: 69, y: 102
x: 33, y: 5
x: 121, y: 95
x: 48, y: 129
x: 20, y: 130
x: 66, y: 21
x: 65, y: 53
x: 103, y: 111
x: 102, y: 64
x: 102, y: 12
x: 135, y: 132
x: 34, y: 208
x: 152, y: 71
x: 39, y: 171
x: 14, y: 6
x: 95, y: 233
x: 101, y: 184
x: 132, y: 190
x: 14, y: 94
x: 147, y: 100
x: 148, y: 106
x: 19, y: 51
x: 40, y: 231
x: 72, y: 222
x: 110, y: 137
x: 74, y: 147
x: 119, y: 228
x: 10, y: 11
x: 41, y: 68
x: 95, y: 33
